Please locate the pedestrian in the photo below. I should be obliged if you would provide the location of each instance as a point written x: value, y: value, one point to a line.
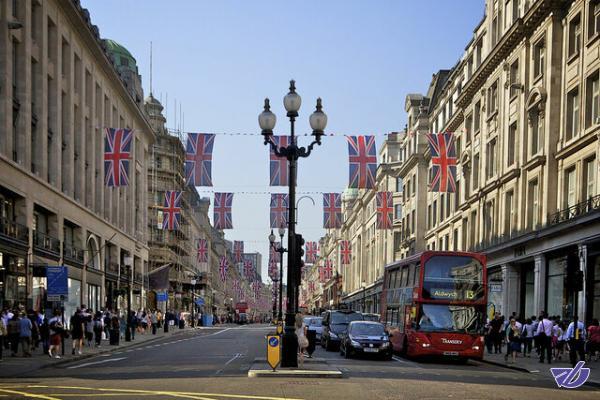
x: 562, y: 340
x: 14, y: 329
x: 115, y: 327
x: 593, y: 342
x: 25, y: 331
x: 496, y: 332
x: 302, y: 340
x: 77, y: 329
x: 527, y: 337
x: 535, y: 322
x: 45, y: 335
x: 544, y: 336
x: 514, y: 339
x: 98, y: 327
x: 3, y: 333
x: 89, y: 328
x: 154, y: 321
x: 556, y: 333
x: 576, y: 336
x: 35, y: 329
x: 56, y: 330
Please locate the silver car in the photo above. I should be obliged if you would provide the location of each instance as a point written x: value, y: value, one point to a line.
x: 314, y: 324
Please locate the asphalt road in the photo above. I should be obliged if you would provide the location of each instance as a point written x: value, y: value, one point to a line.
x: 213, y: 364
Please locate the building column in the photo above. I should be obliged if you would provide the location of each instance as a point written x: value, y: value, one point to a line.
x: 539, y: 283
x: 581, y: 300
x: 511, y: 285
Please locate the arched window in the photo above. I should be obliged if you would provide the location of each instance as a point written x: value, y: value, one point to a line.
x: 536, y: 103
x: 93, y: 255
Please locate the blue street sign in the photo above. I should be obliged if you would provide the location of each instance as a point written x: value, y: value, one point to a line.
x: 200, y: 301
x: 58, y: 284
x: 161, y: 296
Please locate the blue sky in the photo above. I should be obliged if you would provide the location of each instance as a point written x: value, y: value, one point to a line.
x: 220, y: 59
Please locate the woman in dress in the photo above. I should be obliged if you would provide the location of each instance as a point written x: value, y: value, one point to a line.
x: 301, y: 334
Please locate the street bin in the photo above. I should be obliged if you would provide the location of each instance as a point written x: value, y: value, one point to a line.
x: 312, y: 341
x: 207, y: 320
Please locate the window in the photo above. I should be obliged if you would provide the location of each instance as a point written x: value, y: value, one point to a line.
x: 572, y: 114
x: 447, y: 205
x: 473, y: 233
x: 470, y: 67
x: 575, y: 36
x: 570, y: 195
x: 465, y: 229
x: 491, y: 158
x: 429, y: 216
x: 399, y: 185
x: 514, y: 79
x: 478, y: 52
x: 475, y: 171
x: 488, y: 220
x: 589, y: 178
x: 512, y: 145
x: 509, y: 208
x: 455, y: 240
x: 539, y: 58
x: 414, y: 179
x: 493, y: 99
x: 412, y: 222
x: 536, y: 136
x: 592, y: 109
x: 398, y: 211
x: 477, y: 118
x: 434, y: 210
x: 494, y: 30
x: 555, y: 285
x: 442, y: 207
x: 594, y: 19
x: 533, y: 204
x: 468, y: 127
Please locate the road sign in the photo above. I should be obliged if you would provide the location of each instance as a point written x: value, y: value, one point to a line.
x: 273, y: 351
x: 58, y: 284
x: 161, y: 296
x: 199, y: 301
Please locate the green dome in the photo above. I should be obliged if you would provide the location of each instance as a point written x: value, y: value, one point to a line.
x: 122, y: 56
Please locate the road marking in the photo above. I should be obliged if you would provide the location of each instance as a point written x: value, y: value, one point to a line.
x: 96, y: 362
x: 235, y: 357
x: 411, y: 363
x: 26, y: 394
x: 216, y: 333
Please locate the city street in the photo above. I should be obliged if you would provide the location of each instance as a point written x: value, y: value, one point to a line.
x: 213, y: 364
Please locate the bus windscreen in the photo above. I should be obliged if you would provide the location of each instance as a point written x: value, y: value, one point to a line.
x: 453, y: 278
x: 448, y: 318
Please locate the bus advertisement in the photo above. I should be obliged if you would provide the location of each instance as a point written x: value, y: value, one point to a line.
x: 434, y: 304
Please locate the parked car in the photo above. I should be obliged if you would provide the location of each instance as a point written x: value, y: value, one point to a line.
x: 366, y: 337
x: 314, y: 324
x: 335, y: 324
x: 372, y: 317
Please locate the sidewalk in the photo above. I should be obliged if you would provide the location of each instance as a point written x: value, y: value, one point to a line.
x: 19, y: 365
x: 533, y: 365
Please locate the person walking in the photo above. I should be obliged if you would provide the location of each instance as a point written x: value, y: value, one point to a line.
x: 514, y: 339
x: 544, y: 335
x: 496, y: 332
x: 3, y: 333
x: 56, y: 330
x: 89, y: 328
x: 25, y: 331
x: 527, y: 337
x: 77, y: 328
x: 593, y: 342
x: 154, y: 321
x: 14, y: 329
x: 576, y: 335
x: 302, y: 340
x: 98, y: 327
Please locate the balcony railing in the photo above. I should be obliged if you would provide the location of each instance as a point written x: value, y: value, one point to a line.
x: 591, y: 204
x: 14, y: 230
x: 73, y: 253
x: 46, y: 242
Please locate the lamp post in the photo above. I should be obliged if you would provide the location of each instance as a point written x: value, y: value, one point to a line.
x: 193, y: 282
x: 318, y: 122
x: 364, y: 289
x: 279, y: 250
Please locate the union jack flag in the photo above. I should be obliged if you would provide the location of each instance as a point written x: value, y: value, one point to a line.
x: 311, y: 286
x: 238, y: 251
x: 273, y: 253
x: 312, y: 249
x: 385, y: 210
x: 222, y: 211
x: 237, y: 288
x: 198, y: 159
x: 362, y: 154
x: 248, y: 269
x: 256, y: 286
x: 223, y: 266
x: 279, y: 165
x: 172, y: 210
x: 332, y: 210
x: 273, y: 272
x: 117, y: 154
x: 328, y: 269
x: 279, y: 210
x: 202, y: 251
x: 443, y: 162
x: 345, y: 251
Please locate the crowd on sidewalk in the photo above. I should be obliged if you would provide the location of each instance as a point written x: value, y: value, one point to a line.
x: 550, y: 337
x: 33, y: 331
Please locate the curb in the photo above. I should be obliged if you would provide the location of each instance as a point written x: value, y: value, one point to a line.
x: 264, y: 373
x: 521, y: 369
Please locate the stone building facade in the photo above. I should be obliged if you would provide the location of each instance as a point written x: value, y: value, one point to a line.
x: 59, y: 89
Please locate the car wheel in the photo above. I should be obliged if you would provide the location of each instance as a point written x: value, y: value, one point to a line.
x: 388, y: 356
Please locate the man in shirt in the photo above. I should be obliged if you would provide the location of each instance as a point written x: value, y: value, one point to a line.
x: 496, y: 332
x: 576, y: 337
x: 25, y: 335
x: 544, y: 337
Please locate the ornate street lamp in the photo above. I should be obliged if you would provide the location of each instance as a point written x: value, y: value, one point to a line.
x: 193, y: 282
x: 318, y: 121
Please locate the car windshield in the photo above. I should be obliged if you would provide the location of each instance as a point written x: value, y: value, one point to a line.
x: 367, y: 330
x: 447, y: 318
x: 339, y: 318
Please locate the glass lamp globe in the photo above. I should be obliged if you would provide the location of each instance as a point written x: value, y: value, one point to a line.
x: 318, y: 120
x: 292, y: 100
x: 267, y: 120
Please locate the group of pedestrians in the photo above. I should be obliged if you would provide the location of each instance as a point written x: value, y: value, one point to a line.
x: 550, y: 337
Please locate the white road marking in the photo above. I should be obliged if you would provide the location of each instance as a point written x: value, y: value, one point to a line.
x: 216, y: 333
x: 96, y: 362
x: 235, y: 357
x: 413, y: 364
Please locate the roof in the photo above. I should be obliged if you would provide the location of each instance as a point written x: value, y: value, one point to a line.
x: 117, y: 48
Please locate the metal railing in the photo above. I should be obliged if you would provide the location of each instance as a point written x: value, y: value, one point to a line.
x: 591, y: 204
x: 73, y: 253
x: 14, y: 230
x: 46, y: 242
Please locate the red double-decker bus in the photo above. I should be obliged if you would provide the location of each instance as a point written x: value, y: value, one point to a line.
x: 434, y: 304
